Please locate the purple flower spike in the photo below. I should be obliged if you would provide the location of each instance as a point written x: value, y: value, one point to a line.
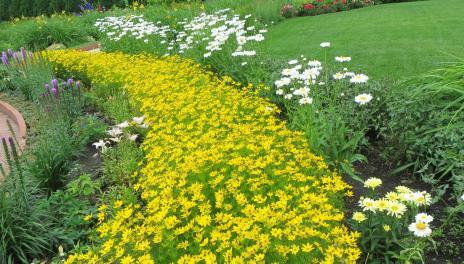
x: 10, y: 53
x: 4, y: 58
x: 55, y: 84
x: 70, y: 82
x: 47, y: 88
x: 78, y: 86
x: 23, y: 54
x: 55, y: 87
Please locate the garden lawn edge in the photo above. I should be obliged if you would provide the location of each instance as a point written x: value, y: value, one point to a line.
x: 223, y: 179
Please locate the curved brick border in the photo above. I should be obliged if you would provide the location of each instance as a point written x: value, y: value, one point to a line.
x: 11, y: 112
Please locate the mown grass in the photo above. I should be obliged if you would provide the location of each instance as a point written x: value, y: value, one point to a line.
x: 386, y: 41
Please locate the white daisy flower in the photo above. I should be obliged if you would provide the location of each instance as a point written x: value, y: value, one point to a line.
x: 288, y: 96
x: 279, y: 91
x: 420, y: 229
x: 293, y: 62
x: 363, y: 99
x: 325, y: 44
x: 303, y: 91
x: 424, y: 218
x: 338, y: 76
x: 422, y: 198
x: 314, y: 63
x: 342, y: 59
x: 282, y: 82
x: 359, y: 78
x: 306, y: 100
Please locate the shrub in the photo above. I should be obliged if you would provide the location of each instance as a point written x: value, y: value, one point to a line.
x: 223, y: 180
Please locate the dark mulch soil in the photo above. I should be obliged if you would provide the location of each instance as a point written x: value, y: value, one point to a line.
x: 450, y: 247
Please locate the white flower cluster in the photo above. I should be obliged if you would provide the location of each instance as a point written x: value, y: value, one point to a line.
x: 297, y: 80
x: 208, y: 31
x: 214, y: 30
x: 136, y: 27
x: 117, y: 133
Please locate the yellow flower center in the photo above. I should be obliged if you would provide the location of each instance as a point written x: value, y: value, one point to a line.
x: 421, y: 226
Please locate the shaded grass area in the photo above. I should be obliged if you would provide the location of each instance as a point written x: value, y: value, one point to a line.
x: 386, y: 41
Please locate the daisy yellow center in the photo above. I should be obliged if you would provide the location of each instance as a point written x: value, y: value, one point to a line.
x: 421, y: 226
x: 363, y: 98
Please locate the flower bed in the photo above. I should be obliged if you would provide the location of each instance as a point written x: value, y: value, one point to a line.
x: 319, y: 7
x: 223, y: 180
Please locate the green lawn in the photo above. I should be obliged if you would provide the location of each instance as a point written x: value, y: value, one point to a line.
x: 392, y: 40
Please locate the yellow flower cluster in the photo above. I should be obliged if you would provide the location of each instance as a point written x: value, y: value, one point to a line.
x: 223, y: 181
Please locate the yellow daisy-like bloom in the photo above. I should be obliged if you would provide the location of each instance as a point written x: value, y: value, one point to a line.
x: 359, y: 217
x: 372, y: 183
x: 396, y: 209
x: 368, y: 204
x: 392, y: 196
x: 381, y: 204
x: 387, y: 228
x: 220, y: 171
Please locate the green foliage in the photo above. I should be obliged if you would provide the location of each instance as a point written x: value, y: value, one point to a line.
x: 24, y: 225
x: 84, y: 186
x: 55, y: 150
x: 89, y: 127
x: 113, y: 101
x: 32, y: 8
x: 426, y: 121
x: 40, y: 33
x: 120, y: 162
x: 69, y: 210
x: 27, y: 76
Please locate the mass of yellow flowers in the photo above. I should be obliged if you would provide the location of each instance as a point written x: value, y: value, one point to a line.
x: 223, y: 180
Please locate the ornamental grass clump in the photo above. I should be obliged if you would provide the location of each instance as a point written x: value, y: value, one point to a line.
x: 223, y: 179
x: 395, y: 226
